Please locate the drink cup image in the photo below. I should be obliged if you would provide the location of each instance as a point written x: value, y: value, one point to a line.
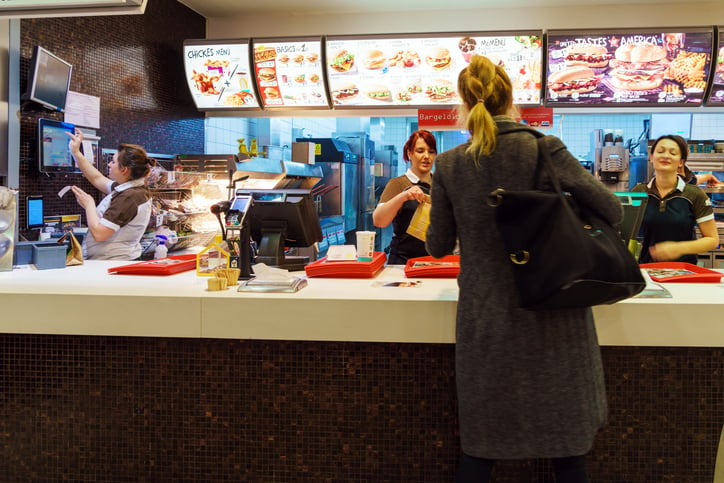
x: 365, y: 245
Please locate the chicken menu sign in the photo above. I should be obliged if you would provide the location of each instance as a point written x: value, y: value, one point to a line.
x: 654, y: 68
x: 218, y: 74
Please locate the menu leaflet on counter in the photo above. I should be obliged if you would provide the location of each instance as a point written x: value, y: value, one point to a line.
x: 422, y: 70
x: 644, y: 67
x: 218, y: 74
x: 716, y: 93
x: 289, y: 73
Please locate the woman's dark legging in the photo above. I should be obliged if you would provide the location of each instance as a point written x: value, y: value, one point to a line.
x: 571, y: 469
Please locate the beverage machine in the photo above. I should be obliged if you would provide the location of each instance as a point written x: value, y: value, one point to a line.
x: 610, y: 159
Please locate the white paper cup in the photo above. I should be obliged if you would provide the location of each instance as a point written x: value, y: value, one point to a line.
x: 365, y: 245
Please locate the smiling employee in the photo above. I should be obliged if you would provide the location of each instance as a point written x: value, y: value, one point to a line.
x: 675, y: 208
x: 116, y: 225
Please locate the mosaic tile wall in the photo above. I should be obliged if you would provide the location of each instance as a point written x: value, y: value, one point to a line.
x: 134, y: 63
x: 113, y: 409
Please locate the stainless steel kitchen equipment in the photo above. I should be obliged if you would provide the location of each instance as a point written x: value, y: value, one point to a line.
x: 361, y: 144
x: 611, y: 159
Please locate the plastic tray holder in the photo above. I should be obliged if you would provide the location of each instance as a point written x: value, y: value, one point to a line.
x: 430, y: 267
x: 346, y: 268
x: 680, y: 272
x: 161, y: 266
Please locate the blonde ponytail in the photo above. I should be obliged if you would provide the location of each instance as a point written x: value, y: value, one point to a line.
x: 486, y: 91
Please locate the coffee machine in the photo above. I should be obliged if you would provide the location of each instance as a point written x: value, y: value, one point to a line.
x: 611, y: 159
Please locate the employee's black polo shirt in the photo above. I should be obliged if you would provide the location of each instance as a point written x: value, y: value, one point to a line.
x: 674, y: 217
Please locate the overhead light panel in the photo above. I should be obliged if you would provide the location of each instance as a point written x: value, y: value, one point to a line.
x: 69, y: 8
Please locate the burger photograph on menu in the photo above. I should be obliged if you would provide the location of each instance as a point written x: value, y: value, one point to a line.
x: 341, y: 61
x: 638, y: 67
x: 438, y: 58
x: 589, y: 55
x: 578, y: 79
x: 440, y: 90
x: 267, y: 74
x: 374, y: 59
x: 344, y: 92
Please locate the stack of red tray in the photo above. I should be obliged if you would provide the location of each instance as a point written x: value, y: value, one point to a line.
x: 161, y: 266
x: 346, y: 268
x: 664, y: 272
x: 430, y: 267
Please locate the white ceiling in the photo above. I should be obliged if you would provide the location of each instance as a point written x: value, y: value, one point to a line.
x: 232, y: 8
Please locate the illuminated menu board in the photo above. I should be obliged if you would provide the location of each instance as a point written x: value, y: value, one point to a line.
x: 716, y: 93
x: 644, y: 67
x: 218, y: 74
x: 422, y: 70
x: 289, y: 73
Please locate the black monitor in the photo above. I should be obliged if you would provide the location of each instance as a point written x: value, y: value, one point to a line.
x: 281, y: 219
x: 634, y: 206
x: 48, y: 80
x: 53, y: 152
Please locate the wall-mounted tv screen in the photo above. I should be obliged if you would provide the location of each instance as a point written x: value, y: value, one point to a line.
x: 218, y: 74
x: 53, y: 153
x: 716, y: 92
x: 289, y: 73
x: 642, y: 67
x: 421, y: 70
x: 48, y: 79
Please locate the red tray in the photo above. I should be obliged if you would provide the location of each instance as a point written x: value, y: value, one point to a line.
x: 161, y: 266
x: 346, y: 268
x: 681, y: 272
x: 430, y: 267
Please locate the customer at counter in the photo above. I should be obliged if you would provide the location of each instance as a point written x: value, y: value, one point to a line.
x: 403, y: 194
x: 530, y: 383
x: 116, y: 225
x: 675, y: 208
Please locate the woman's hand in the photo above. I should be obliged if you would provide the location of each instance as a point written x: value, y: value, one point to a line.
x: 665, y: 251
x: 85, y: 200
x: 75, y: 141
x: 413, y: 193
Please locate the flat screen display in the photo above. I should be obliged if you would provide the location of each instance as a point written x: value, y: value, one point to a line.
x: 716, y: 92
x: 289, y: 73
x: 48, y: 80
x: 53, y: 153
x: 35, y: 211
x: 219, y: 76
x: 645, y: 67
x: 421, y: 70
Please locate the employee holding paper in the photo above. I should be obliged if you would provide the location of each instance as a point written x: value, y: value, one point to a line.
x: 403, y: 194
x: 116, y: 225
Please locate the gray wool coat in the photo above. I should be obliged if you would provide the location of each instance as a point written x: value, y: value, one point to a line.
x: 530, y: 383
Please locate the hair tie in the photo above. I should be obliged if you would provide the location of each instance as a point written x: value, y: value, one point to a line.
x: 481, y: 100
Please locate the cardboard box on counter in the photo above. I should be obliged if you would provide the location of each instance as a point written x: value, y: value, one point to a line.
x: 303, y: 152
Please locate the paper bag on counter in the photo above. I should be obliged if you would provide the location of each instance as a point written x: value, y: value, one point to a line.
x: 420, y: 220
x: 74, y: 255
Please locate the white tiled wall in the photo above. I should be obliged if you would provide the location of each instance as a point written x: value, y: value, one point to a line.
x: 575, y: 130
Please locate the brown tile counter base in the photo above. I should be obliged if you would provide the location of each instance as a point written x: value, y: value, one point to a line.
x: 153, y: 410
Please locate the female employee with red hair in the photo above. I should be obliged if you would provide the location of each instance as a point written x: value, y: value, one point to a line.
x: 403, y: 194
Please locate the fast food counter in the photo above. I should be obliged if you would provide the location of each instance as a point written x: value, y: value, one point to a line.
x: 86, y: 300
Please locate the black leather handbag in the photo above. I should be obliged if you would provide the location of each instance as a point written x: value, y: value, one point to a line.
x: 562, y: 254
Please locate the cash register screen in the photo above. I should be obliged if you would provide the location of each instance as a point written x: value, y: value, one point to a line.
x: 634, y: 206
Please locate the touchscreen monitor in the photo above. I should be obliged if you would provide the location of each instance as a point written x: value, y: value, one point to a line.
x: 53, y: 152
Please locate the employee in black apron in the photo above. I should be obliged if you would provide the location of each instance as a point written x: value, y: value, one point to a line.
x: 403, y: 194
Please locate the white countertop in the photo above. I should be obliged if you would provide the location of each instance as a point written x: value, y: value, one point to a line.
x: 86, y: 300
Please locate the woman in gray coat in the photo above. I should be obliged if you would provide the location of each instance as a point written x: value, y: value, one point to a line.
x: 530, y: 383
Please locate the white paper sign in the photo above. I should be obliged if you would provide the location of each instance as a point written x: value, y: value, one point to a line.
x: 83, y: 110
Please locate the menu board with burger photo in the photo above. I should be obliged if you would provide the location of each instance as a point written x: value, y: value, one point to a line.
x: 218, y: 74
x: 716, y: 93
x: 289, y: 73
x: 421, y: 70
x: 632, y: 67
